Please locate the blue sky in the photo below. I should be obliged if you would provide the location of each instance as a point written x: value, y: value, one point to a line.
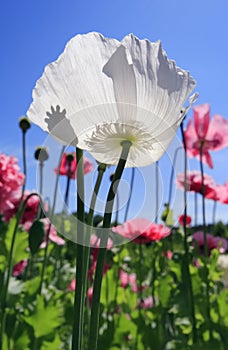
x: 34, y: 33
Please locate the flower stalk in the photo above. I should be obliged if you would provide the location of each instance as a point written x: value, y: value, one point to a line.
x: 186, y: 247
x: 95, y: 310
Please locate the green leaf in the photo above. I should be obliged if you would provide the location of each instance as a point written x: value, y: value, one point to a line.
x: 45, y: 318
x: 36, y: 236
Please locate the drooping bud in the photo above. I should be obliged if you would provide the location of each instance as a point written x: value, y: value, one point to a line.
x: 41, y: 154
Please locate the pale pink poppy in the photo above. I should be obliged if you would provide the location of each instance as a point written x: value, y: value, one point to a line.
x: 20, y: 267
x: 222, y: 193
x: 128, y: 279
x: 210, y: 135
x: 10, y: 182
x: 68, y: 167
x: 194, y: 183
x: 146, y: 303
x: 142, y: 230
x: 72, y: 285
x: 53, y: 236
x: 213, y: 242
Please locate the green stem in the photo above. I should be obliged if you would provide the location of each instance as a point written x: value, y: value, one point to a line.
x: 101, y: 169
x: 156, y: 192
x: 186, y: 247
x: 205, y: 243
x: 172, y: 175
x: 10, y: 266
x: 78, y: 296
x: 95, y: 310
x: 196, y: 209
x: 130, y: 194
x: 49, y: 227
x: 214, y: 212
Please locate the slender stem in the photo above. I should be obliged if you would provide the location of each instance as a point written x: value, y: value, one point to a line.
x: 130, y: 194
x: 156, y: 192
x: 214, y: 212
x: 196, y: 208
x: 78, y: 296
x: 172, y: 175
x: 41, y: 165
x: 205, y: 242
x: 117, y: 208
x: 186, y: 247
x: 66, y: 197
x: 101, y: 169
x: 95, y: 310
x: 49, y: 227
x: 24, y: 161
x: 203, y: 201
x: 10, y: 266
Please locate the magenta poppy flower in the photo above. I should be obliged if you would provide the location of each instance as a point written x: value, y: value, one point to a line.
x: 194, y: 183
x: 68, y: 165
x: 210, y: 135
x: 10, y: 182
x: 181, y: 220
x: 20, y: 267
x: 142, y: 230
x: 213, y: 242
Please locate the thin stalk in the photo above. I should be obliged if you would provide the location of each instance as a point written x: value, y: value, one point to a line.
x: 101, y: 169
x: 196, y: 208
x: 156, y: 192
x: 117, y: 208
x: 130, y: 194
x: 66, y: 197
x: 205, y: 242
x: 41, y: 166
x: 10, y: 267
x: 214, y: 212
x: 49, y: 227
x: 95, y: 310
x: 172, y: 175
x: 78, y: 296
x: 186, y: 247
x: 24, y: 162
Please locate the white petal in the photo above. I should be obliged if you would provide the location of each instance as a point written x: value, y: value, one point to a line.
x: 162, y: 88
x: 75, y: 81
x: 120, y: 69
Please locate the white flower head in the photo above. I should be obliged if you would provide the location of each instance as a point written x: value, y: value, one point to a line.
x: 101, y: 91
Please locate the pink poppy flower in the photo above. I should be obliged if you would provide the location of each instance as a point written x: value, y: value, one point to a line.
x: 222, y: 193
x: 30, y: 209
x: 72, y: 285
x: 53, y: 236
x: 142, y: 230
x: 146, y: 303
x: 168, y: 254
x: 90, y: 295
x: 213, y: 242
x: 68, y: 165
x: 10, y: 182
x: 19, y: 268
x: 211, y: 135
x: 128, y: 279
x: 194, y: 183
x: 181, y: 220
x: 95, y: 243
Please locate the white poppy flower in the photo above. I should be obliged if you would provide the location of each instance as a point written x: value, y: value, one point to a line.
x: 101, y: 91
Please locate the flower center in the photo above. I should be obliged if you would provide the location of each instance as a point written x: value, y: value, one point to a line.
x: 109, y: 136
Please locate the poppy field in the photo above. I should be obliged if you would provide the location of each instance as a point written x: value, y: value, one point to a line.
x: 75, y: 279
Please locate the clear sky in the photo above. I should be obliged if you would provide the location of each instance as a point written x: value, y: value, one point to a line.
x: 34, y: 33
